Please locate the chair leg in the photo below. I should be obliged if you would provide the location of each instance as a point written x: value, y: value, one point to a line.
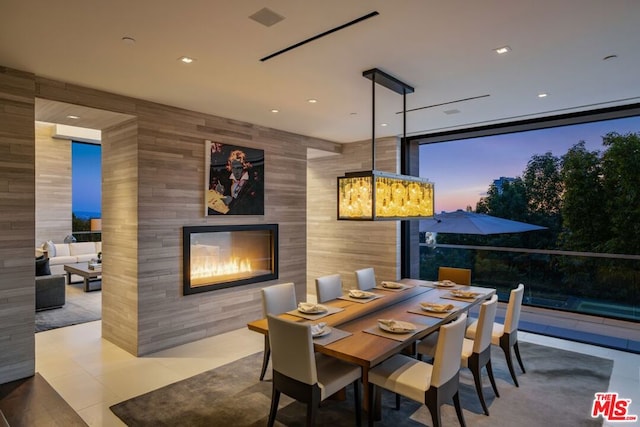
x: 492, y: 379
x: 397, y: 401
x: 456, y: 403
x: 312, y: 409
x: 504, y: 344
x: 477, y: 379
x: 434, y: 409
x: 356, y: 395
x: 517, y: 350
x: 265, y: 357
x: 275, y: 398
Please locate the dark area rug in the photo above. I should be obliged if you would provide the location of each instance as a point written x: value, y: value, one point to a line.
x: 79, y: 307
x: 557, y: 390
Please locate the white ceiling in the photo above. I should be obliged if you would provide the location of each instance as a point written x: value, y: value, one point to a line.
x: 443, y: 48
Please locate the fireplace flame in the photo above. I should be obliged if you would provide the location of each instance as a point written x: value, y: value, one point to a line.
x: 205, y: 267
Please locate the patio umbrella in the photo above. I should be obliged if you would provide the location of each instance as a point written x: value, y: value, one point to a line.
x: 462, y: 222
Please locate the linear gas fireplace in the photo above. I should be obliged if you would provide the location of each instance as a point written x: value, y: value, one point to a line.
x: 217, y: 257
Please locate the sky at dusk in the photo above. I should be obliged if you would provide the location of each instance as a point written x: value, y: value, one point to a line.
x: 463, y: 170
x: 86, y: 179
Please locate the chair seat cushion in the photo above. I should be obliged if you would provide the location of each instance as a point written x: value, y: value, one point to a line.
x: 403, y: 375
x: 333, y: 374
x: 496, y: 332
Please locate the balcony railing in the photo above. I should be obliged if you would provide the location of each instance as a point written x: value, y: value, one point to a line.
x: 599, y: 284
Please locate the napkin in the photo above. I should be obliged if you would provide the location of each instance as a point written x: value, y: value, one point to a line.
x: 437, y: 307
x: 392, y: 285
x: 464, y: 294
x: 311, y: 307
x: 318, y: 329
x: 397, y: 325
x: 356, y: 293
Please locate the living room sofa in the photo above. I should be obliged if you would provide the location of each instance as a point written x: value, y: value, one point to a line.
x: 60, y: 254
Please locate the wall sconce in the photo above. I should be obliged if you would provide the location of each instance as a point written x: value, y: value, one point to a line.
x: 375, y: 195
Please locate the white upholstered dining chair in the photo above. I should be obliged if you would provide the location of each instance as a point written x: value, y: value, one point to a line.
x: 304, y: 375
x: 365, y: 278
x: 431, y: 384
x: 276, y: 299
x: 328, y: 287
x: 506, y: 335
x: 476, y: 353
x: 461, y: 276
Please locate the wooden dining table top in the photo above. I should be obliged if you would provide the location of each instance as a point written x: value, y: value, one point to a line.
x: 367, y: 349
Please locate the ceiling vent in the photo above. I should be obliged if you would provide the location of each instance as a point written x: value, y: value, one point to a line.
x: 266, y: 17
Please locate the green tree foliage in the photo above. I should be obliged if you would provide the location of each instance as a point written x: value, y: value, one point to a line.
x: 585, y: 220
x: 622, y: 186
x: 544, y: 186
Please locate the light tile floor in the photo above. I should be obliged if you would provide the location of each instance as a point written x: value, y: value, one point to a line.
x: 92, y: 374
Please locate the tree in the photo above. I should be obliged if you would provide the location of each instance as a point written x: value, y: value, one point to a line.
x: 585, y: 219
x: 622, y: 187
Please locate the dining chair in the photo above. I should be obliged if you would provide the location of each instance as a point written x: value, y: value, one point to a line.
x: 328, y: 287
x: 506, y: 335
x: 365, y: 278
x: 476, y: 353
x: 276, y: 299
x: 461, y: 276
x: 431, y: 384
x: 304, y: 375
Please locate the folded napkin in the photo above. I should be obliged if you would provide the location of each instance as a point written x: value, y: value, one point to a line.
x: 318, y: 328
x: 310, y: 307
x: 356, y: 293
x: 397, y: 325
x: 392, y: 285
x: 464, y: 294
x: 437, y: 307
x: 446, y: 283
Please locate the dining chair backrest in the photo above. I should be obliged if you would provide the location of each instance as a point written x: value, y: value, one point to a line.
x: 486, y: 318
x: 461, y: 276
x: 328, y: 287
x: 512, y: 317
x: 366, y: 278
x: 446, y: 362
x: 292, y: 351
x: 278, y: 299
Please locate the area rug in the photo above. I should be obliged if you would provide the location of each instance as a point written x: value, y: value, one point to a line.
x: 558, y: 389
x: 79, y: 307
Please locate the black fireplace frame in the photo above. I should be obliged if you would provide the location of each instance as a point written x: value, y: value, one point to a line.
x: 187, y: 231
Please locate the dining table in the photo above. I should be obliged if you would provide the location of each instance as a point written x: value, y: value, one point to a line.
x: 356, y: 335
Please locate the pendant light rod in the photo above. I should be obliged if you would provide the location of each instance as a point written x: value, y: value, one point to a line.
x: 391, y: 83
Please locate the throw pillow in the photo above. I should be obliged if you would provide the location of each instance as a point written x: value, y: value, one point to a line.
x: 42, y: 266
x: 50, y: 247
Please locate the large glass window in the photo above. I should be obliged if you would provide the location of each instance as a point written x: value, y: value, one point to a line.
x: 86, y: 181
x: 577, y: 176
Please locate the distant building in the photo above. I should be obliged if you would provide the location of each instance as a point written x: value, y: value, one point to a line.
x: 499, y: 183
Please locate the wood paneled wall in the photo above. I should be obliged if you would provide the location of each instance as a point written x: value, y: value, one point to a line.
x: 341, y: 247
x: 17, y: 219
x: 53, y: 185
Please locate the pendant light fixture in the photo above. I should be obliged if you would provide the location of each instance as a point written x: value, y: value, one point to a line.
x: 375, y: 195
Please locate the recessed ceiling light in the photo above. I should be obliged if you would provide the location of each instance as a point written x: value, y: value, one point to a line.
x: 128, y: 40
x: 275, y: 110
x: 186, y: 59
x: 543, y: 95
x: 312, y: 101
x: 72, y: 117
x: 502, y: 50
x: 383, y: 124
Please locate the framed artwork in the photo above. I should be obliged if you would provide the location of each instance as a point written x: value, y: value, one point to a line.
x: 234, y: 180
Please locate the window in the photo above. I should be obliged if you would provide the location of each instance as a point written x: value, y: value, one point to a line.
x: 86, y: 184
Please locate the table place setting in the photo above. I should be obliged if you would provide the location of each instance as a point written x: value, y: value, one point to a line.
x: 435, y: 309
x: 393, y: 286
x: 443, y: 284
x: 359, y: 296
x: 398, y: 330
x: 460, y: 295
x: 313, y: 311
x: 323, y: 334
